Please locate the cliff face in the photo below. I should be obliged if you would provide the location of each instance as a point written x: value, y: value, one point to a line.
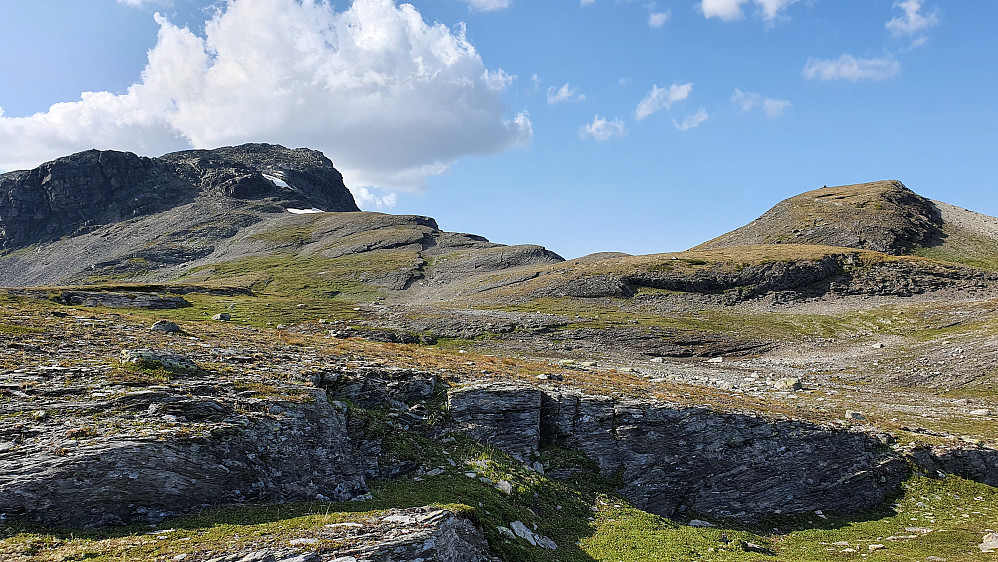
x: 82, y: 191
x: 676, y: 460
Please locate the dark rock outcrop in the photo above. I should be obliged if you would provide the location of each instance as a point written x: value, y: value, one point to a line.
x: 750, y: 281
x: 675, y: 460
x: 82, y: 191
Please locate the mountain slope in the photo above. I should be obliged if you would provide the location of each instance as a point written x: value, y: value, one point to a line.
x: 966, y: 237
x: 248, y: 215
x: 884, y: 216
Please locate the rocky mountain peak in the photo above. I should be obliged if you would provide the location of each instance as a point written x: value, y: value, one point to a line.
x: 98, y: 187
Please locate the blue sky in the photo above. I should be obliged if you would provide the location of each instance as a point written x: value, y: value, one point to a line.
x: 584, y: 126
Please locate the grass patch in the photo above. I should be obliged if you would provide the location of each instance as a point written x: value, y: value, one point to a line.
x: 294, y: 234
x: 132, y: 374
x: 19, y: 330
x: 958, y: 246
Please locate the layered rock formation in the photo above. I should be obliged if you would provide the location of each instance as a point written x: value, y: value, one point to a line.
x: 676, y: 460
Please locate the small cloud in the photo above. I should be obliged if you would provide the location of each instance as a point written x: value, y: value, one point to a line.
x: 848, y: 67
x: 586, y: 2
x: 366, y: 199
x: 657, y: 19
x: 731, y: 10
x: 565, y: 93
x: 913, y: 21
x: 661, y: 98
x: 748, y: 101
x: 624, y: 81
x: 487, y: 5
x: 600, y: 129
x: 774, y: 108
x: 141, y: 3
x: 692, y: 121
x: 499, y: 80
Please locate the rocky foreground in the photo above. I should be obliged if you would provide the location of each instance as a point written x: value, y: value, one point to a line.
x: 110, y: 419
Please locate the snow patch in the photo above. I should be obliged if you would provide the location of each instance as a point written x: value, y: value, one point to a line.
x: 305, y: 211
x: 277, y: 181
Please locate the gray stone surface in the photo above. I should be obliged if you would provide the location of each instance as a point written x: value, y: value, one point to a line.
x: 507, y: 417
x: 679, y: 459
x: 165, y: 326
x: 304, y: 451
x: 151, y: 358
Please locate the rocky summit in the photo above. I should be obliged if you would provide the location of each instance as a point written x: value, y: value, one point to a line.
x: 89, y: 189
x: 215, y: 356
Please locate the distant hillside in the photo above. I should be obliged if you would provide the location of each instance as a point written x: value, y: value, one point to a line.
x: 883, y: 216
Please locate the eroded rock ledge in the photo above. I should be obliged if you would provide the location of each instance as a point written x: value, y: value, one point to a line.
x: 675, y: 460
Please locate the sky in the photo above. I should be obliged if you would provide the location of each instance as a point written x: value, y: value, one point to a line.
x: 582, y: 125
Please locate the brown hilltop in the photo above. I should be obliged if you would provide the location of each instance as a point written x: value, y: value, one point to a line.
x: 884, y: 216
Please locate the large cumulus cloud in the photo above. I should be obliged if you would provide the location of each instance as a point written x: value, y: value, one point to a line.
x: 389, y: 97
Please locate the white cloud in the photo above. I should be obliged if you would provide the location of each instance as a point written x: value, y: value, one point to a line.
x: 913, y: 22
x: 657, y: 19
x: 773, y: 108
x: 586, y: 2
x: 691, y: 121
x: 564, y: 93
x: 731, y: 10
x: 388, y: 97
x: 661, y: 98
x: 140, y: 3
x: 600, y: 129
x: 848, y: 67
x: 498, y: 80
x: 366, y: 199
x: 487, y: 5
x: 748, y: 101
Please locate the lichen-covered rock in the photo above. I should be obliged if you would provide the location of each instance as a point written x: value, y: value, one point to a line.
x: 150, y: 358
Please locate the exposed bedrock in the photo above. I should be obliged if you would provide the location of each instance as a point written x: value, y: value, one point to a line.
x: 675, y: 460
x: 296, y: 453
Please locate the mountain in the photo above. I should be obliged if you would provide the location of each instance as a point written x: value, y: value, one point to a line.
x: 89, y: 189
x: 884, y: 216
x: 106, y: 215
